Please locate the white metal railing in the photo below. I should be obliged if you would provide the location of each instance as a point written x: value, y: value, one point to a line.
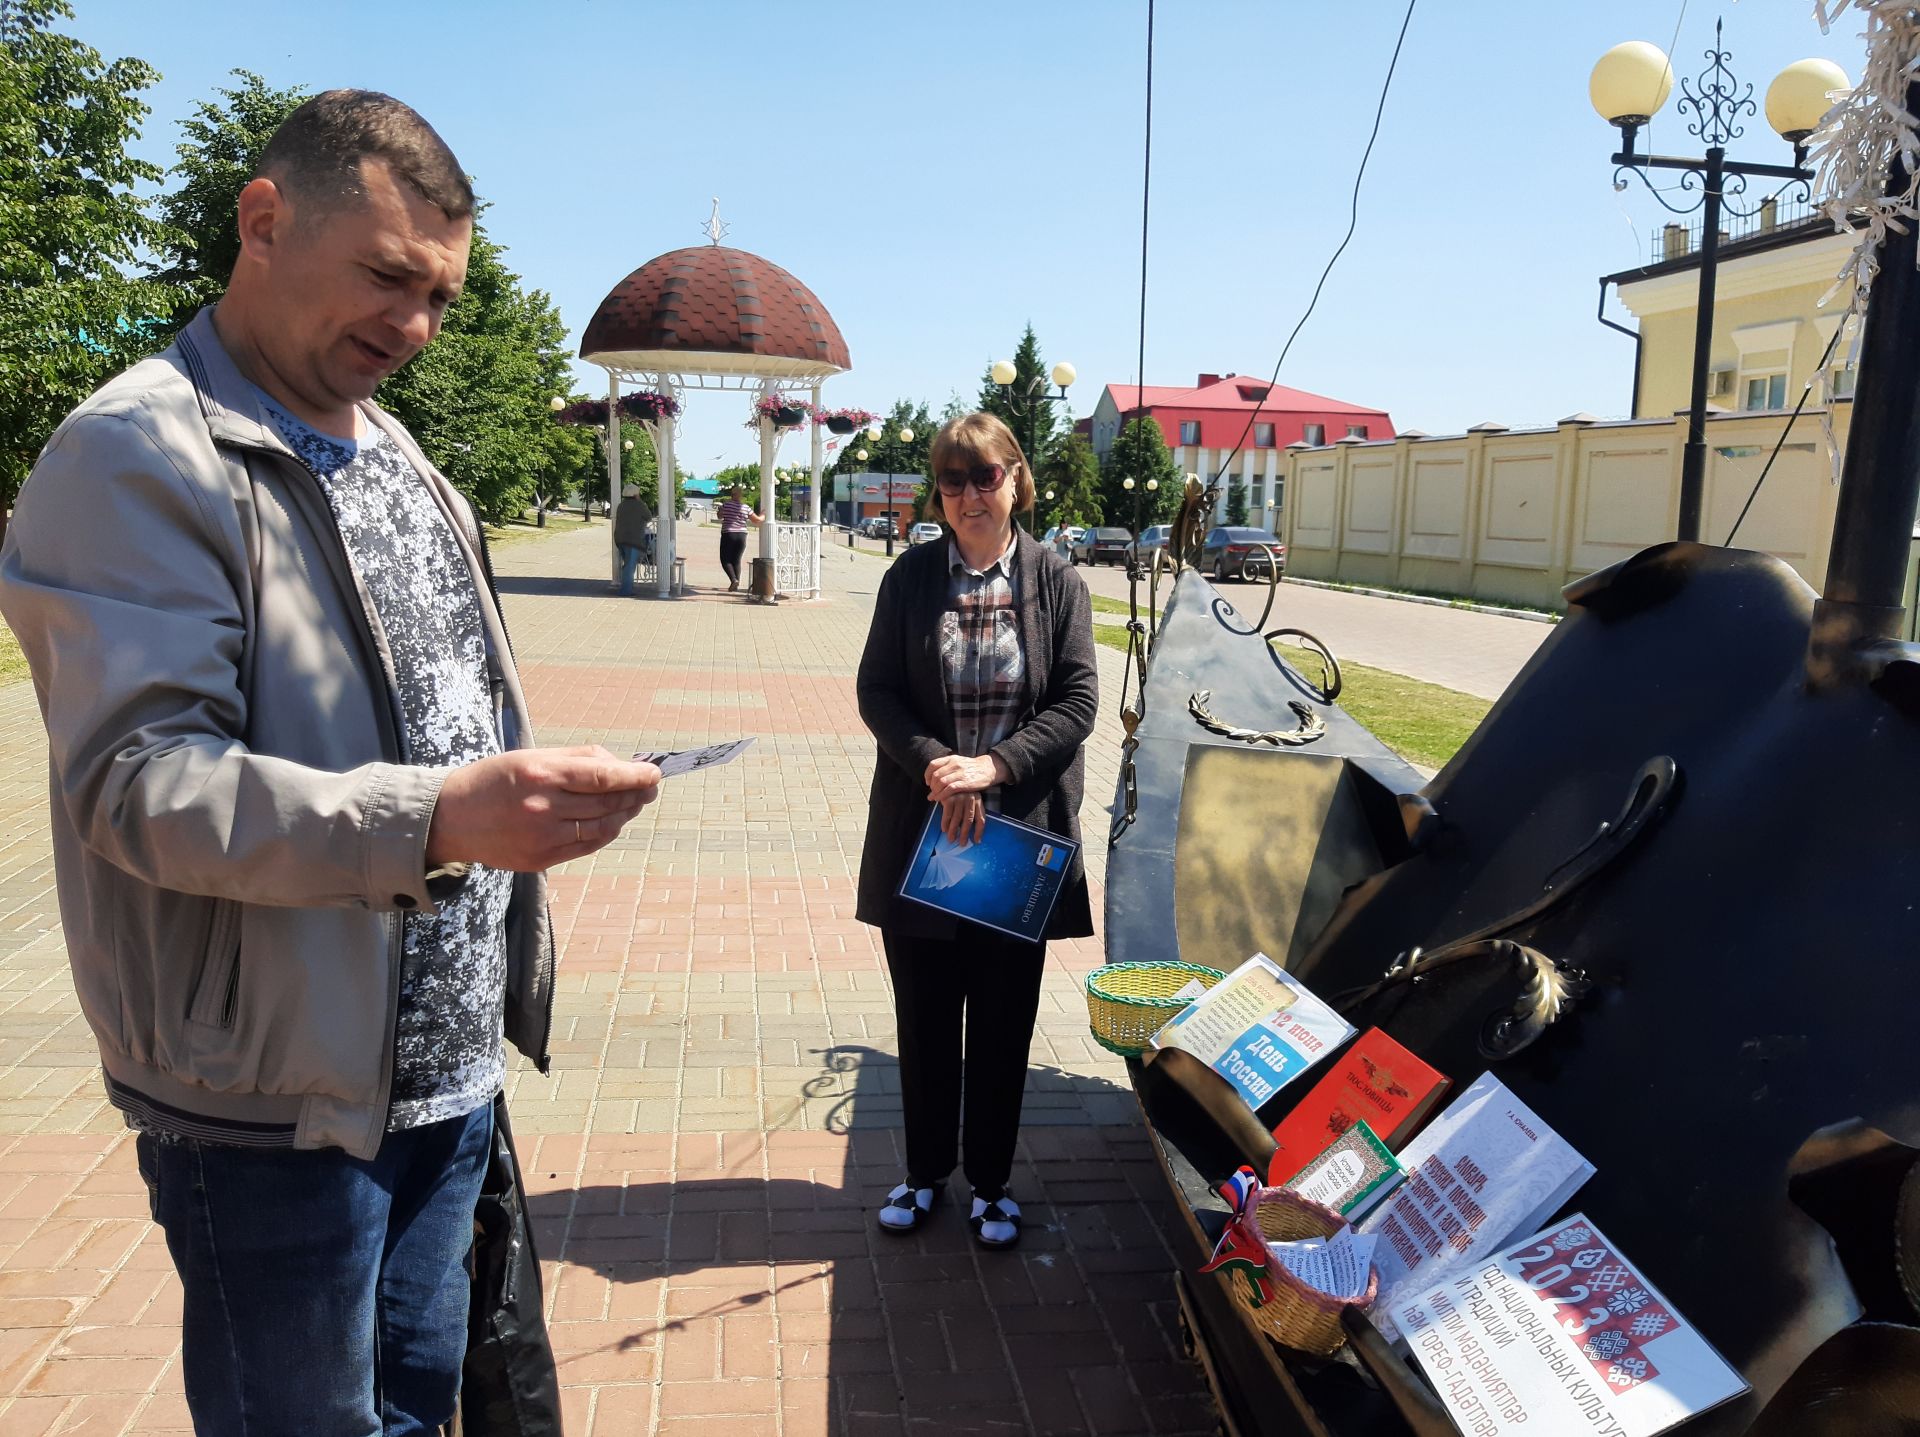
x: 796, y: 550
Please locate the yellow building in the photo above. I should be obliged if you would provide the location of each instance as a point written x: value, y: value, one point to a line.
x: 1769, y: 327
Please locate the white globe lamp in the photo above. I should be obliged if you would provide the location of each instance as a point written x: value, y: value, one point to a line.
x: 1630, y: 83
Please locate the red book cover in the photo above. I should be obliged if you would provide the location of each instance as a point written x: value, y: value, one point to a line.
x: 1375, y: 1079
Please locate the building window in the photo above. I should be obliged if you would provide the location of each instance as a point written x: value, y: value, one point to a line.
x: 1190, y: 431
x: 1263, y: 436
x: 1767, y: 391
x: 1356, y: 431
x: 1315, y: 434
x: 1840, y: 381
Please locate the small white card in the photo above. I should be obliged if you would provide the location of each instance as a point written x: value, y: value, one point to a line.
x: 687, y: 760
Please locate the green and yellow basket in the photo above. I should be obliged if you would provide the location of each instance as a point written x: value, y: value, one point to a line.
x: 1127, y: 1003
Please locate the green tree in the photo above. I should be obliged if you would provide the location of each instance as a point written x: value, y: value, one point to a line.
x: 477, y: 397
x: 1139, y: 453
x: 1030, y: 419
x: 1072, y: 473
x: 1236, y: 501
x: 71, y: 225
x: 219, y: 154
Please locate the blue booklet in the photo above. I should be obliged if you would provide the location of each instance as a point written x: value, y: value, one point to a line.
x: 1008, y: 881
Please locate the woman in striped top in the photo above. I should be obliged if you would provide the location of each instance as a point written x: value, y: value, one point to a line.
x: 978, y: 683
x: 734, y: 517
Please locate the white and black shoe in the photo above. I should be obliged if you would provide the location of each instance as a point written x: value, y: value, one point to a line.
x: 995, y: 1221
x: 907, y: 1207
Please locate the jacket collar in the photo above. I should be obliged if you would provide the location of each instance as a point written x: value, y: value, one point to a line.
x: 232, y: 404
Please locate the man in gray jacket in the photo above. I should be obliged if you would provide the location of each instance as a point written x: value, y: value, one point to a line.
x: 298, y: 826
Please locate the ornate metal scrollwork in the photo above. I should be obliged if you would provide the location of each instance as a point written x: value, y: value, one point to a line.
x: 1311, y: 726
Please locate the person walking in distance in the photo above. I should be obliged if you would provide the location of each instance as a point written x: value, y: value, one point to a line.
x: 630, y: 533
x: 734, y: 518
x: 299, y: 826
x: 979, y: 685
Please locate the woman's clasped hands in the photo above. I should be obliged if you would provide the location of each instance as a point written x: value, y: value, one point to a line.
x: 959, y: 784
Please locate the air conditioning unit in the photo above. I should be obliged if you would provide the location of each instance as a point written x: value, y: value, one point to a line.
x: 1720, y: 383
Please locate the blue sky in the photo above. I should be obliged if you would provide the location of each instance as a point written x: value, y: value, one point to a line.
x: 940, y: 175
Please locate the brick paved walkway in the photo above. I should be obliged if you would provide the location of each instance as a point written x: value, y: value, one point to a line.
x: 722, y: 1111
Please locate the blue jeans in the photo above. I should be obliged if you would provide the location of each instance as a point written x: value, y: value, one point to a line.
x: 326, y: 1296
x: 629, y: 561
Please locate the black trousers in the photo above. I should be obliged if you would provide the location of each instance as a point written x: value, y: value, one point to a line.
x: 732, y: 546
x: 965, y: 1008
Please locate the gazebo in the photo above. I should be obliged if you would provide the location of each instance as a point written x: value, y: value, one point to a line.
x: 710, y: 317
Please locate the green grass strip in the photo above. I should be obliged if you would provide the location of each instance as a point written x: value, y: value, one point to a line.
x: 1423, y: 723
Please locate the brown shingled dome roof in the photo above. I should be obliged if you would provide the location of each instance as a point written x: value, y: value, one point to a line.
x: 713, y: 301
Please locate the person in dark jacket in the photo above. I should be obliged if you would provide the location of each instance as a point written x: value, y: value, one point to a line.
x: 978, y: 682
x: 630, y: 534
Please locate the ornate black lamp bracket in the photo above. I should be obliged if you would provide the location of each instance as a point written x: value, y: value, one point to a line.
x: 1718, y: 104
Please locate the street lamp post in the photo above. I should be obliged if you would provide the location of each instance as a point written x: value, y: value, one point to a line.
x: 1628, y: 86
x: 905, y: 436
x: 853, y: 504
x: 1026, y: 399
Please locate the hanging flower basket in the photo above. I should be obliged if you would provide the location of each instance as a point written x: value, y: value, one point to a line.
x: 783, y: 411
x: 582, y: 411
x: 645, y: 404
x: 650, y: 405
x: 844, y: 421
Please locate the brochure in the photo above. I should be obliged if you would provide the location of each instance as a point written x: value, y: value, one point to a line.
x: 1258, y: 1028
x: 1485, y: 1169
x: 1340, y: 1266
x: 1009, y: 880
x: 1560, y: 1333
x: 687, y: 760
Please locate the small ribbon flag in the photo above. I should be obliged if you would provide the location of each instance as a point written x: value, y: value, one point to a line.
x: 1242, y: 1249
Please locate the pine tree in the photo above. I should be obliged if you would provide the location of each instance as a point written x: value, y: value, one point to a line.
x: 1025, y: 410
x: 1072, y: 474
x: 1139, y: 453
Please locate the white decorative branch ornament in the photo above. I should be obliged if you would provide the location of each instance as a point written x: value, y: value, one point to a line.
x: 1869, y: 131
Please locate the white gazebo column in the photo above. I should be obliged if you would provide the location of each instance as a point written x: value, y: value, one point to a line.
x: 813, y: 491
x: 613, y: 471
x: 769, y: 443
x: 666, y: 539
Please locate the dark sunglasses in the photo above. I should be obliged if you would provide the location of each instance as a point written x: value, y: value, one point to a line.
x: 984, y: 477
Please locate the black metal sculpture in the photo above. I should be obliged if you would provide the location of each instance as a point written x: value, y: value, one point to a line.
x: 1669, y: 892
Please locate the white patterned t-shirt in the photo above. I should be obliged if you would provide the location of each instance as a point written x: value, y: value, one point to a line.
x: 448, y: 1053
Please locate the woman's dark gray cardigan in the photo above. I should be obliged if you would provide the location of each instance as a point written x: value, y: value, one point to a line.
x: 903, y: 699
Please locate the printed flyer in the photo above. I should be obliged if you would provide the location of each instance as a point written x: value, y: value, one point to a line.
x: 1560, y: 1333
x: 1485, y: 1170
x: 1258, y: 1028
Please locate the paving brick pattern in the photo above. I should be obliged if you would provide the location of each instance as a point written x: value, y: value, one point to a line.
x: 722, y: 1116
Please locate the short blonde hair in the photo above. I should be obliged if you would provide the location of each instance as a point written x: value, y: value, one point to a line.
x: 977, y: 438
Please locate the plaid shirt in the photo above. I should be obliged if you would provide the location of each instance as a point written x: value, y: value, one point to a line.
x: 986, y: 668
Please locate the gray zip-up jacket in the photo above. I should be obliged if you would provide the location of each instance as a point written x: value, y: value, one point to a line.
x: 236, y: 828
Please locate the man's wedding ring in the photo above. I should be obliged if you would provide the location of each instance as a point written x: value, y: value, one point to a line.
x: 576, y: 830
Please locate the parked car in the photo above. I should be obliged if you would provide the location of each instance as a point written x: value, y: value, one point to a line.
x: 1154, y: 537
x: 1052, y: 538
x: 879, y: 526
x: 1231, y: 552
x: 924, y: 533
x: 1103, y: 545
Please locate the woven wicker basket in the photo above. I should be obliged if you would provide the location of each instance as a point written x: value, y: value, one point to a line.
x: 1127, y: 1003
x: 1299, y: 1316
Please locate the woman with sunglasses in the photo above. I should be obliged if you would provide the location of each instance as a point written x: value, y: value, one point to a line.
x: 979, y: 685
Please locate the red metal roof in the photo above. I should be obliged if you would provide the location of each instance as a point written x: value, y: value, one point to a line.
x: 1233, y: 391
x: 715, y: 300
